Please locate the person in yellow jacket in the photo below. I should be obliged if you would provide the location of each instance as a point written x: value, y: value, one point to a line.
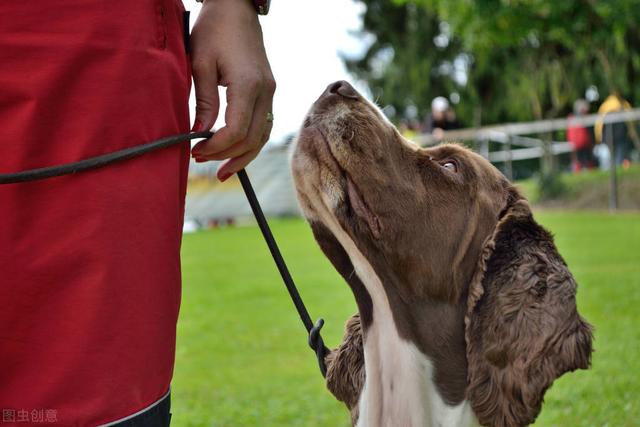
x: 624, y: 133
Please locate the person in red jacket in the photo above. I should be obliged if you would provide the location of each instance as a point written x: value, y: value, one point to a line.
x: 89, y: 263
x: 581, y: 139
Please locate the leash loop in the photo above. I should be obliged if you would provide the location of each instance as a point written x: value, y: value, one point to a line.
x: 317, y: 345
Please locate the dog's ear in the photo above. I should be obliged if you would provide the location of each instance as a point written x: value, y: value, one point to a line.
x: 345, y: 367
x: 522, y: 327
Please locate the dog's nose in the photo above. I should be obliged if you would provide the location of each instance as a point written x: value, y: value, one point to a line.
x: 342, y: 88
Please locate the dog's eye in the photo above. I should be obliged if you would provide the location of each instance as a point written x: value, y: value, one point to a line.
x: 451, y: 166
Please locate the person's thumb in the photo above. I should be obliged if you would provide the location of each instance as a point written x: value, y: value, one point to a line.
x: 207, y: 98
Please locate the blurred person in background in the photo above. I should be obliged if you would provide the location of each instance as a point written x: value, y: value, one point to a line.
x: 581, y: 139
x: 624, y: 134
x: 442, y: 118
x: 409, y: 128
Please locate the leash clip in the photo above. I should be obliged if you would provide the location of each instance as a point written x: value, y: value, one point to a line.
x: 317, y: 345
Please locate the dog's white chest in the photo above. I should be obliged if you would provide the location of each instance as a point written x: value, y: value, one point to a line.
x: 399, y: 390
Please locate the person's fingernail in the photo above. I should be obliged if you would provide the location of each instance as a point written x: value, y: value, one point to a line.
x: 197, y: 126
x: 200, y: 160
x: 224, y: 176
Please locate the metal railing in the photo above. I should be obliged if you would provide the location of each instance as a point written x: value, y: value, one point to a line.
x: 511, y: 134
x: 271, y: 174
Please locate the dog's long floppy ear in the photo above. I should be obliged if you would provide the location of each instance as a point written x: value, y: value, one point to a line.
x: 522, y: 327
x: 345, y: 367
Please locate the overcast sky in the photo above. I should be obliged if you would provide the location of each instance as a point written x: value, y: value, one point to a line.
x: 303, y: 39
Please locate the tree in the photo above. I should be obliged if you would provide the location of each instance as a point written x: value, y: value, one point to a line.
x: 406, y: 65
x: 524, y: 59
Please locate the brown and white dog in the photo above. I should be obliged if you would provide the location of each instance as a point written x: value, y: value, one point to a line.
x: 467, y: 312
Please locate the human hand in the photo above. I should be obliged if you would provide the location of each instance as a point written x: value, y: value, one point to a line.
x: 228, y: 50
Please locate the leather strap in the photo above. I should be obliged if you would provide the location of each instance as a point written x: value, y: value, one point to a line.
x: 262, y: 6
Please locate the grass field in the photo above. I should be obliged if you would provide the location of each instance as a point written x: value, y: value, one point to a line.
x: 242, y: 358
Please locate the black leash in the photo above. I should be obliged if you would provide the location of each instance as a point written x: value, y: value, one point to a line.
x: 99, y: 161
x: 315, y: 339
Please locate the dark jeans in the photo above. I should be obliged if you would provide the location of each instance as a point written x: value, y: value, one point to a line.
x: 585, y: 158
x: 157, y: 416
x: 622, y: 143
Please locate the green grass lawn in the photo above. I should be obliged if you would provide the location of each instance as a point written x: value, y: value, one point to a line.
x: 242, y: 358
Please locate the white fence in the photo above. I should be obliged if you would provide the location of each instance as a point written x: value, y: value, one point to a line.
x: 271, y: 176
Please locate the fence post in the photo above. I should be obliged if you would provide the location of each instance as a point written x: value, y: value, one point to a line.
x: 484, y: 148
x: 546, y: 160
x: 613, y: 179
x: 508, y: 164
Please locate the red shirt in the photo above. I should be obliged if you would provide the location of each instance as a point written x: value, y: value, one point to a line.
x: 89, y: 263
x: 578, y: 136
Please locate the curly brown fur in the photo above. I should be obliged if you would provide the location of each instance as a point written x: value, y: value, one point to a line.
x: 523, y: 329
x: 345, y: 367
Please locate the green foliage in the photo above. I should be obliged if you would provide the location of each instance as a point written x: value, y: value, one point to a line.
x: 528, y: 59
x: 588, y: 190
x: 550, y: 186
x: 242, y: 358
x: 402, y: 64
